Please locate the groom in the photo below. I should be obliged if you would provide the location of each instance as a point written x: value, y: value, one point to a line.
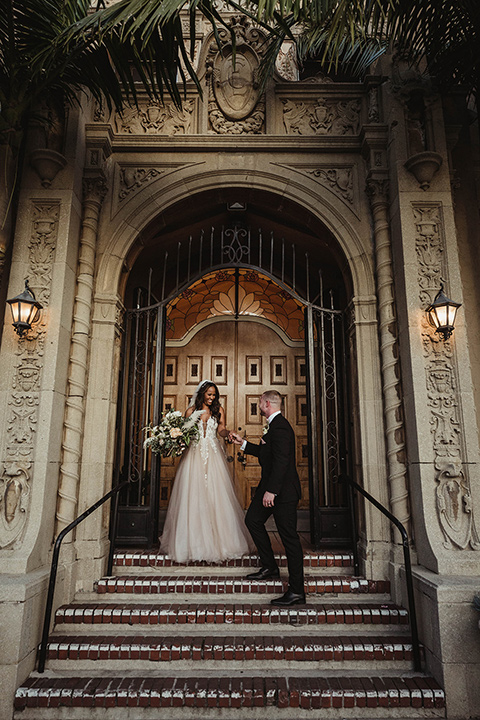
x: 278, y: 493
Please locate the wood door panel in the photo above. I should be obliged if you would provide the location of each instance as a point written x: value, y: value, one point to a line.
x: 245, y: 358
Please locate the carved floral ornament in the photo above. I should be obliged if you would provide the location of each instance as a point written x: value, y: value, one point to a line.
x: 22, y: 414
x: 452, y: 492
x: 133, y: 178
x: 339, y: 180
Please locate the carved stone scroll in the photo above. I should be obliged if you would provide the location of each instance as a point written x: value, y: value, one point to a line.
x: 339, y: 180
x: 133, y: 178
x: 452, y: 492
x: 22, y: 413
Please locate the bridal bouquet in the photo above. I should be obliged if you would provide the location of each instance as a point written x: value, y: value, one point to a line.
x: 174, y: 433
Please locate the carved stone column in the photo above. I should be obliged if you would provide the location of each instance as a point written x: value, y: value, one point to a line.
x: 377, y: 190
x: 94, y: 190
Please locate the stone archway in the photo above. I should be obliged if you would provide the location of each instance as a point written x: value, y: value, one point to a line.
x: 124, y: 239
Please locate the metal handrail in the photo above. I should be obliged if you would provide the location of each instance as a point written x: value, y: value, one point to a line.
x: 42, y: 653
x: 407, y: 562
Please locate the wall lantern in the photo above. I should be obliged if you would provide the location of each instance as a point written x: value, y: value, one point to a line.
x: 25, y: 310
x: 442, y: 313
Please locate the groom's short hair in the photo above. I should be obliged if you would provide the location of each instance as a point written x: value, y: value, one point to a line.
x: 273, y: 397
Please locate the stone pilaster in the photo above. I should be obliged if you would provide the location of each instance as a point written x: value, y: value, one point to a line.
x: 22, y: 412
x: 375, y: 152
x: 94, y: 188
x: 377, y: 190
x: 453, y: 496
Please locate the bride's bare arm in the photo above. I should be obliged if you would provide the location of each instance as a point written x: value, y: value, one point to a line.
x: 189, y: 412
x: 222, y: 429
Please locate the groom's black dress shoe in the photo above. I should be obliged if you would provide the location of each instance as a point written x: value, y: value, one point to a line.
x: 290, y: 598
x: 264, y: 574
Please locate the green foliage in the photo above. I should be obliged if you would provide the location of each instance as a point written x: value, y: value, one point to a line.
x: 443, y: 36
x: 57, y: 48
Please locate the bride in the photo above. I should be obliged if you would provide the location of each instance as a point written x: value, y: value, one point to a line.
x: 204, y: 519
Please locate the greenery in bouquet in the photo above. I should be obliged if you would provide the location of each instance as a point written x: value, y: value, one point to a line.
x: 174, y: 433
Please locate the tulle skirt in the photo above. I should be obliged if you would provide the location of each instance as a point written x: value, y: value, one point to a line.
x: 204, y: 519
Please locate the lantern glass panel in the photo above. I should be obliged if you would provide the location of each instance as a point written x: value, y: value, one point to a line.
x: 452, y: 313
x: 441, y: 316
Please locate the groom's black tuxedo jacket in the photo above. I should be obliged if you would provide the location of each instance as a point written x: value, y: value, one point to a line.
x: 277, y: 460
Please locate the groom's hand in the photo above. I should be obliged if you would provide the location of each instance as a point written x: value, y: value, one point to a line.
x: 268, y: 499
x: 235, y: 438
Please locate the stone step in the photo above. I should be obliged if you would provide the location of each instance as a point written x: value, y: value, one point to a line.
x: 356, y: 614
x: 246, y: 696
x: 230, y: 584
x: 335, y: 561
x: 257, y: 649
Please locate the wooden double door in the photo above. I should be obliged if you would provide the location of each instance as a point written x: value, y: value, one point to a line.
x: 243, y: 355
x: 243, y: 358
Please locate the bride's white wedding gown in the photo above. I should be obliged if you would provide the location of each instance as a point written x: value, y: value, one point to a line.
x: 204, y: 519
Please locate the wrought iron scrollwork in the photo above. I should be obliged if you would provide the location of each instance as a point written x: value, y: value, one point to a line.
x: 236, y: 251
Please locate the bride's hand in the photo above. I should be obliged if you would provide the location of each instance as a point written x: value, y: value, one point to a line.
x: 235, y: 438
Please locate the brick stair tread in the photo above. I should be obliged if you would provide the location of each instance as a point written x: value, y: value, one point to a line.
x: 230, y: 584
x: 414, y: 691
x: 237, y: 647
x: 235, y: 613
x: 148, y: 558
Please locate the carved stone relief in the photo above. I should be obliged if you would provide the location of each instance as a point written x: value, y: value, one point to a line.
x: 319, y: 79
x: 373, y: 111
x: 286, y: 63
x: 22, y: 414
x: 156, y: 119
x: 452, y: 493
x: 339, y: 180
x: 132, y: 178
x: 321, y: 117
x: 234, y: 106
x: 100, y: 114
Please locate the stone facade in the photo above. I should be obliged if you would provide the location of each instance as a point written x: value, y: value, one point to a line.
x: 338, y: 150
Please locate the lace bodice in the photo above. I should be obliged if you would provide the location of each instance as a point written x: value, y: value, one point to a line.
x: 208, y: 437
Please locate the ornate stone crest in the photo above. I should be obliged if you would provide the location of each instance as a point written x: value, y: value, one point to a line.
x: 234, y: 83
x: 232, y: 71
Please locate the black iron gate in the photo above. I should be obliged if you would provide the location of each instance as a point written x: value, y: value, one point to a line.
x: 327, y: 417
x: 141, y: 386
x: 140, y: 403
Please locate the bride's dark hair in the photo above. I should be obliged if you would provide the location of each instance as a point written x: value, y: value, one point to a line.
x: 215, y: 406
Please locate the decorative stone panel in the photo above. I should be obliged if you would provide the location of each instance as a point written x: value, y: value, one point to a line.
x: 337, y: 178
x: 22, y: 413
x: 153, y: 118
x: 452, y: 491
x: 321, y: 116
x: 133, y: 178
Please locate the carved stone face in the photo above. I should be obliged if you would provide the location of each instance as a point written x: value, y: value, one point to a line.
x: 234, y: 85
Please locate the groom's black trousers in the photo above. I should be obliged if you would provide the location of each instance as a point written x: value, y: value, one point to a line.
x: 285, y: 515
